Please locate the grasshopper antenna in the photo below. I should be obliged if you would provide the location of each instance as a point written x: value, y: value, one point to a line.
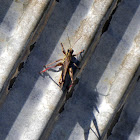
x: 77, y: 40
x: 69, y: 41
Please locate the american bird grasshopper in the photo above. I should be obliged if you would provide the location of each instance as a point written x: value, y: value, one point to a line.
x: 66, y: 65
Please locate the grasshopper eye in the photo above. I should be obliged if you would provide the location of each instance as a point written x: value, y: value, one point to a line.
x: 68, y: 50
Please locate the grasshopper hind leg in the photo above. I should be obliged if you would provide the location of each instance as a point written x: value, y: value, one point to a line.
x: 71, y: 75
x: 61, y: 80
x: 59, y: 64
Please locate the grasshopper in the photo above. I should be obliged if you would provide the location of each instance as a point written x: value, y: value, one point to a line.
x: 66, y: 65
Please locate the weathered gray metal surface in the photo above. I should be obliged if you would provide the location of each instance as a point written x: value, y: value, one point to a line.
x: 33, y: 98
x: 18, y: 20
x: 105, y: 78
x: 128, y: 126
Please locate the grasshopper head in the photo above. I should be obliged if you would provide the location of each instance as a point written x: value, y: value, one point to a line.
x: 70, y: 51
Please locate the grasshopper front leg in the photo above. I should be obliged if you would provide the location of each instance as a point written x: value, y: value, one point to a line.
x: 63, y: 50
x: 76, y: 65
x: 78, y: 53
